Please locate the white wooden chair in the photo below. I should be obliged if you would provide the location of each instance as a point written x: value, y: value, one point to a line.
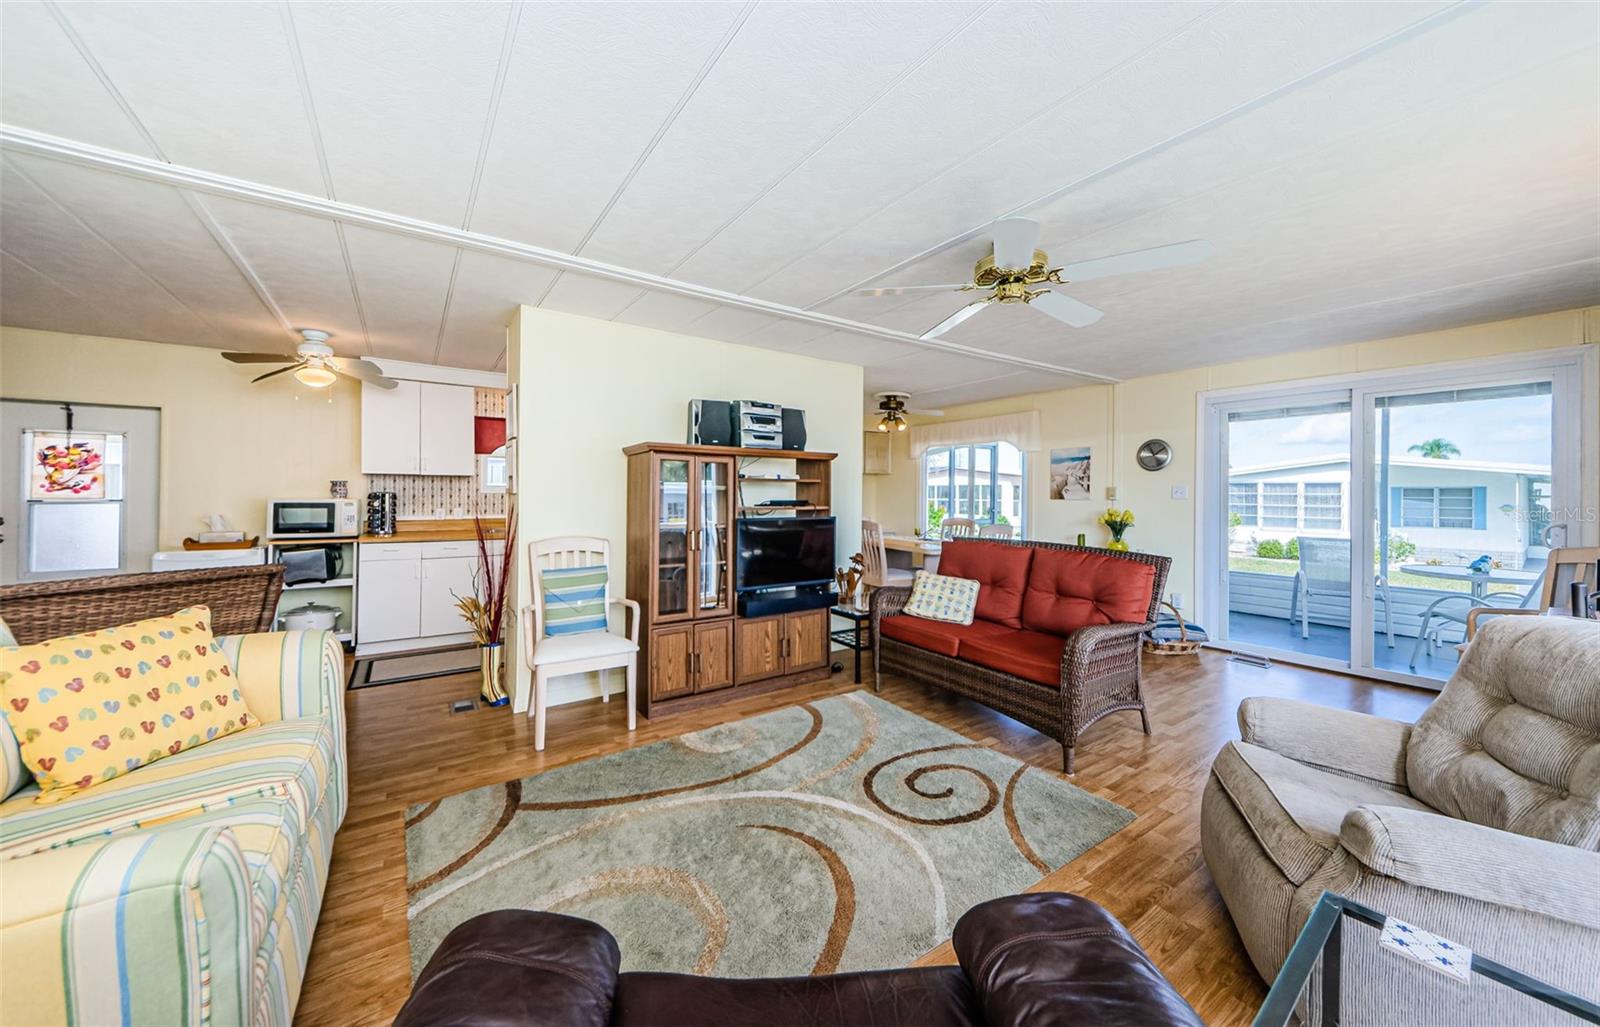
x: 577, y: 653
x: 997, y: 531
x: 875, y: 569
x: 959, y: 527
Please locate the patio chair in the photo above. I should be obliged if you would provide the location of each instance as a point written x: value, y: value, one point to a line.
x: 1325, y: 571
x: 997, y: 531
x: 1454, y: 608
x: 959, y: 527
x: 1574, y: 563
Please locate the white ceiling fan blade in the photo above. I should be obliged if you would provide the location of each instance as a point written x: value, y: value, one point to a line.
x: 954, y: 319
x: 363, y: 369
x: 1062, y: 307
x: 1015, y: 239
x: 260, y: 358
x: 1153, y: 259
x: 274, y: 374
x: 895, y: 290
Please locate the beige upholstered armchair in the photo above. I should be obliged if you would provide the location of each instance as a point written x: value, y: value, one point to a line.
x: 1480, y: 823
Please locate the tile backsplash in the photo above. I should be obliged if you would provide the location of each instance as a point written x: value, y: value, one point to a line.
x: 437, y: 496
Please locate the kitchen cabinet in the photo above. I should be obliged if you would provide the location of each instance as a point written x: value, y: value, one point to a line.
x: 788, y: 643
x: 389, y: 593
x: 443, y: 580
x: 417, y: 428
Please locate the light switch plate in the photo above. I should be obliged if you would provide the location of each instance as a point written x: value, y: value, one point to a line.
x: 1180, y: 492
x: 1111, y: 493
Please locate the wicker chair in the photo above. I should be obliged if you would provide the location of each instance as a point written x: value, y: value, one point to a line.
x: 1099, y: 666
x: 243, y: 600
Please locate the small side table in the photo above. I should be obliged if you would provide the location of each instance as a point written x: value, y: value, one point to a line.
x: 852, y: 637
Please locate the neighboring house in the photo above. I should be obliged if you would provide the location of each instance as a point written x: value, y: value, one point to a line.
x: 1453, y: 510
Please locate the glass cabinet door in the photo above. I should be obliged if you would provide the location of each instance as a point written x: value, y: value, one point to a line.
x: 673, y: 541
x: 714, y: 585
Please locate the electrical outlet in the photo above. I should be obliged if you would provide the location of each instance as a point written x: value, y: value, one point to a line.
x: 1180, y: 492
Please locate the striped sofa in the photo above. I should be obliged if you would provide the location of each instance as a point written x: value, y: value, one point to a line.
x: 187, y: 891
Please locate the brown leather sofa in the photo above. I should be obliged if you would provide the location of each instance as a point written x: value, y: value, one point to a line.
x: 1054, y: 641
x: 1042, y: 960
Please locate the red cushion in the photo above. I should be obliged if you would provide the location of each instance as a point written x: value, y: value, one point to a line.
x: 1068, y: 590
x: 936, y: 636
x: 1034, y: 655
x: 1001, y: 572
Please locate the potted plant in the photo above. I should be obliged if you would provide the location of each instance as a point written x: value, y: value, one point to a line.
x: 1117, y: 522
x: 485, y: 610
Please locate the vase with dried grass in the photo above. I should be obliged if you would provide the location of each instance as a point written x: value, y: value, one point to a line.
x: 485, y: 610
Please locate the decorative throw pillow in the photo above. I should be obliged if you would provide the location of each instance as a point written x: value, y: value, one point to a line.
x: 88, y: 708
x: 13, y: 775
x: 939, y: 597
x: 574, y: 599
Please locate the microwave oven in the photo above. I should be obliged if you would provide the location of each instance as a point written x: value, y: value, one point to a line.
x: 313, y: 518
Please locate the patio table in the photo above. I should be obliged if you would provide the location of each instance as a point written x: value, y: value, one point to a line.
x: 1480, y: 582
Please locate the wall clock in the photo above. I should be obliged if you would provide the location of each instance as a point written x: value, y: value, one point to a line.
x: 1154, y: 455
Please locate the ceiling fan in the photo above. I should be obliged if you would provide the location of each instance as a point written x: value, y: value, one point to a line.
x: 893, y: 405
x: 314, y: 364
x: 1013, y: 270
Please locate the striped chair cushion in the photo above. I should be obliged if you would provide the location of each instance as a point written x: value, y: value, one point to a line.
x: 574, y: 599
x: 13, y: 773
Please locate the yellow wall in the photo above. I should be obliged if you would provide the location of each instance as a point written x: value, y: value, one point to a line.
x: 227, y: 446
x: 588, y: 388
x: 1115, y: 419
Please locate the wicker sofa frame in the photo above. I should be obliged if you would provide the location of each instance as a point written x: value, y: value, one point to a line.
x: 1099, y: 667
x: 243, y: 600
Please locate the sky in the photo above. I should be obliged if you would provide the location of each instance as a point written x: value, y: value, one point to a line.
x: 1509, y: 429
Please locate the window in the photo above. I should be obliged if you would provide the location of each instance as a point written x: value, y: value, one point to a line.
x: 984, y: 482
x: 1242, y: 502
x: 1323, y: 503
x: 1280, y: 505
x: 1460, y: 507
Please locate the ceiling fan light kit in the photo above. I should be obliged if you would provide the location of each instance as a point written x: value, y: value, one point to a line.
x: 894, y: 410
x: 1014, y: 268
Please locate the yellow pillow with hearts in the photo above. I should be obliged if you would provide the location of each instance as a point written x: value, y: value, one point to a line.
x: 92, y: 707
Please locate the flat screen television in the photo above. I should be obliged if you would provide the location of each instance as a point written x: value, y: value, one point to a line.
x: 782, y: 552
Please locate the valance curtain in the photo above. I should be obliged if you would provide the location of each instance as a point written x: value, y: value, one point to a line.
x: 1021, y: 430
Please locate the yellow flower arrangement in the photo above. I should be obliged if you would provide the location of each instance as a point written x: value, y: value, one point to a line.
x: 1117, y: 522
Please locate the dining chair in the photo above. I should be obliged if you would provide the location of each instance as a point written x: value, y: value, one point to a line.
x: 997, y: 531
x: 1574, y: 563
x: 567, y: 628
x: 959, y: 527
x: 875, y: 569
x: 1325, y: 571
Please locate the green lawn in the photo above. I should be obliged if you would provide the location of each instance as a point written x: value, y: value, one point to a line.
x: 1397, y: 578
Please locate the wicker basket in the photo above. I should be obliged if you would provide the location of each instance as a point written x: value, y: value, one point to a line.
x: 1180, y: 646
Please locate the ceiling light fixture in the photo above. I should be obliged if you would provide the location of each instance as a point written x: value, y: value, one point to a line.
x: 317, y: 376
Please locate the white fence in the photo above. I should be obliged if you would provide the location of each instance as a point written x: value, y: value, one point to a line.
x: 1270, y: 595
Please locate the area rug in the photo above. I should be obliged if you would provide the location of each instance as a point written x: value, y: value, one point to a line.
x: 842, y: 834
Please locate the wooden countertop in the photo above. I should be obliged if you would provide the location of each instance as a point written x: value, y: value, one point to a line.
x: 460, y: 530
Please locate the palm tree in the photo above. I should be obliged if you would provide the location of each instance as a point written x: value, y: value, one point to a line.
x: 1435, y: 449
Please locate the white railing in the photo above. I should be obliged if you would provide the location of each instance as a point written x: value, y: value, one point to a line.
x: 1271, y: 595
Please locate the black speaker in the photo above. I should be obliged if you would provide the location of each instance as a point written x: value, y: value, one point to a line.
x: 711, y: 423
x: 794, y: 428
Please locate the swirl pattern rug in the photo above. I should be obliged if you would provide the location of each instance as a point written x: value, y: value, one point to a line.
x: 842, y: 834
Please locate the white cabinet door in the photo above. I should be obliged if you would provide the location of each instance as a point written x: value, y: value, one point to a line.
x: 388, y: 599
x: 446, y: 434
x: 442, y: 580
x: 391, y: 428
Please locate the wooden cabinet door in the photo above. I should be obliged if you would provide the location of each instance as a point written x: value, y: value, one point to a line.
x: 806, y: 635
x: 445, y: 429
x: 390, y: 429
x: 713, y: 656
x: 758, y: 648
x: 669, y: 663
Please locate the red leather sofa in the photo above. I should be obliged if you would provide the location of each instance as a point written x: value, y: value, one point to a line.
x: 1055, y: 639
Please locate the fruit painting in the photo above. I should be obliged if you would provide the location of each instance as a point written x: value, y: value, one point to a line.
x: 67, y: 467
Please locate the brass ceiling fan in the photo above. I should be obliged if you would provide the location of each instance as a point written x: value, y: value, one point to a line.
x: 892, y: 406
x: 314, y: 364
x: 1014, y: 269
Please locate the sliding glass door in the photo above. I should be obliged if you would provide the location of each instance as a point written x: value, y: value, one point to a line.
x: 1467, y: 478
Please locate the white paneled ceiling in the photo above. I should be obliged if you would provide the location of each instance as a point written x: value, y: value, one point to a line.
x: 404, y: 175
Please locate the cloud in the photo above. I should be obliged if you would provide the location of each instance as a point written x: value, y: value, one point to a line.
x: 1321, y: 429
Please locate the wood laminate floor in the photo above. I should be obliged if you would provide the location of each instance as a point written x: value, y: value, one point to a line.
x: 405, y: 747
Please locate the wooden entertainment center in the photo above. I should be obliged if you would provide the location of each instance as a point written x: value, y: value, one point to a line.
x: 683, y: 503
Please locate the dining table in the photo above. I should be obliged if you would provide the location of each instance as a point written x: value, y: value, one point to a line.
x: 1479, y: 582
x: 917, y: 550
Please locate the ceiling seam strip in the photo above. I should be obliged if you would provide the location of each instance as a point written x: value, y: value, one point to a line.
x: 839, y: 129
x: 42, y: 274
x: 1005, y: 133
x: 661, y: 133
x: 114, y: 248
x: 197, y: 208
x: 507, y: 42
x: 1232, y: 113
x: 40, y: 144
x: 297, y: 58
